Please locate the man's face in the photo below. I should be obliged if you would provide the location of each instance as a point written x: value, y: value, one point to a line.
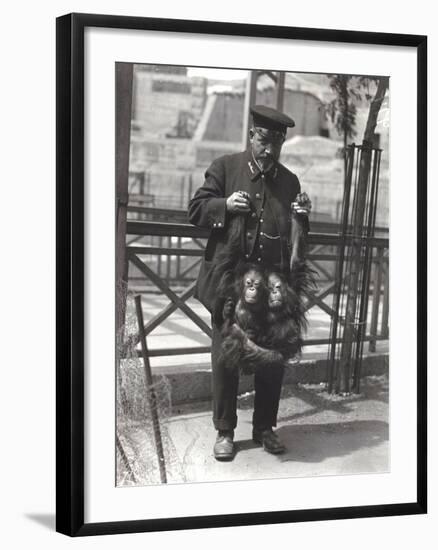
x: 265, y: 144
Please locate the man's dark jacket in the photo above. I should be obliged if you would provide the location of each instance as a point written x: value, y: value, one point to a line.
x: 265, y: 231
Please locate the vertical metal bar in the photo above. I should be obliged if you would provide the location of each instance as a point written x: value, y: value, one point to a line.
x: 376, y: 299
x: 160, y: 245
x: 168, y: 261
x: 178, y: 260
x: 150, y: 392
x: 148, y: 177
x: 182, y: 191
x: 141, y: 192
x: 345, y: 289
x: 122, y: 292
x: 385, y: 311
x: 190, y: 188
x: 385, y: 299
x: 141, y: 184
x: 371, y: 218
x: 134, y: 110
x: 379, y: 155
x: 280, y: 90
x: 250, y: 99
x: 124, y: 78
x: 352, y: 293
x: 340, y: 265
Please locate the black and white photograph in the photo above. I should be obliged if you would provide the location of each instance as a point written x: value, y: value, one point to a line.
x: 219, y: 277
x: 252, y: 274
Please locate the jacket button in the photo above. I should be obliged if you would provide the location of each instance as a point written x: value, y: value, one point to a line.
x: 249, y: 235
x: 262, y: 234
x: 253, y: 215
x: 261, y: 220
x: 219, y: 224
x: 257, y: 195
x: 246, y: 256
x: 261, y: 247
x: 259, y: 259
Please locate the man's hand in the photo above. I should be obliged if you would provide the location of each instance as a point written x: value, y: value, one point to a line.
x: 302, y: 204
x: 238, y: 203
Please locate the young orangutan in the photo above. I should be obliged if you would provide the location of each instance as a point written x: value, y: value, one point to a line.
x: 265, y: 329
x: 244, y: 313
x: 244, y: 320
x: 285, y: 318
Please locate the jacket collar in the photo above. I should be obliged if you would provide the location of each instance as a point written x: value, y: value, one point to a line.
x: 254, y: 169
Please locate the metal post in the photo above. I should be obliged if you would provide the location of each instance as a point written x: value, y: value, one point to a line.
x: 377, y: 283
x: 150, y: 392
x: 351, y: 297
x: 359, y: 204
x: 178, y: 260
x: 190, y: 188
x: 168, y: 261
x: 123, y: 138
x: 160, y: 245
x: 365, y: 290
x: 385, y: 311
x: 123, y: 135
x: 280, y: 91
x: 339, y: 273
x: 250, y: 99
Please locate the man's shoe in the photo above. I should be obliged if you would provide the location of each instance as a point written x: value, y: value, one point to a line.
x: 224, y: 446
x: 270, y: 441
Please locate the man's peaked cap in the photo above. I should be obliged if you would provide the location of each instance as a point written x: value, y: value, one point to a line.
x: 271, y: 119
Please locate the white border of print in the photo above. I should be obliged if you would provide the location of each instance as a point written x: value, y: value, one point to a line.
x: 103, y: 501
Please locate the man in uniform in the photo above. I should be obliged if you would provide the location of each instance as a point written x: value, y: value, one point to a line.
x: 269, y: 194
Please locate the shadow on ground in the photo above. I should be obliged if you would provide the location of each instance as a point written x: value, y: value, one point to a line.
x: 318, y: 400
x: 316, y: 442
x: 313, y: 395
x: 324, y: 434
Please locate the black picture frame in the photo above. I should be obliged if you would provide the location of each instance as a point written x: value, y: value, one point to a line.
x: 70, y: 272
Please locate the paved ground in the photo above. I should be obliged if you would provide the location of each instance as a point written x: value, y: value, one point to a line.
x: 324, y: 435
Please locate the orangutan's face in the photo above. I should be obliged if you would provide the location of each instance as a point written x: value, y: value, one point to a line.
x: 276, y: 288
x: 252, y: 286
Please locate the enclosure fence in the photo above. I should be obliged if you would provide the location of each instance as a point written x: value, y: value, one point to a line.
x: 164, y: 258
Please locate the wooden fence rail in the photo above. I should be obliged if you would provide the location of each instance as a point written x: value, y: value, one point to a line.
x: 161, y: 255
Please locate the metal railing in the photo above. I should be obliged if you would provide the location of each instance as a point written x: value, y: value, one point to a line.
x: 165, y: 257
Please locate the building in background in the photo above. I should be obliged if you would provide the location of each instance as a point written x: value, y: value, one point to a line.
x: 181, y: 123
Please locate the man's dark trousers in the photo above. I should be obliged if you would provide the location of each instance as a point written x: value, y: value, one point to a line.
x: 225, y: 385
